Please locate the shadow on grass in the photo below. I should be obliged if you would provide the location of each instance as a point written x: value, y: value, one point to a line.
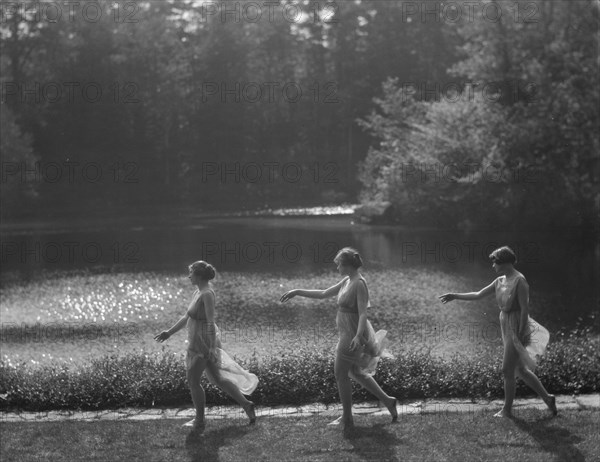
x: 205, y: 446
x: 374, y: 442
x: 558, y: 441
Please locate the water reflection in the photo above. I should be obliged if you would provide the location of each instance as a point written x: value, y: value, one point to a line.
x: 551, y: 260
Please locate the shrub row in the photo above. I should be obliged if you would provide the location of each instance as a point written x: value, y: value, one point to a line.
x: 571, y: 365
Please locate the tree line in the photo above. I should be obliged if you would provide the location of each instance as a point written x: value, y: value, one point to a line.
x: 254, y: 104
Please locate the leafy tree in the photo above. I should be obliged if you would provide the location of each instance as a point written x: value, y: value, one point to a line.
x: 19, y: 182
x: 515, y: 145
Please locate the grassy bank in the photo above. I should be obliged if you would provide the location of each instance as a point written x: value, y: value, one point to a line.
x: 532, y: 436
x: 571, y: 365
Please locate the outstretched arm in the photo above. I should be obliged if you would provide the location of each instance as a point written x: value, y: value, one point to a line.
x: 164, y: 335
x: 318, y: 294
x: 488, y: 290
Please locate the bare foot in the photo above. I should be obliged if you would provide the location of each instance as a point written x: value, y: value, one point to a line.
x: 503, y: 413
x: 336, y: 421
x: 196, y: 424
x: 551, y: 403
x: 393, y: 410
x: 251, y: 413
x: 348, y: 428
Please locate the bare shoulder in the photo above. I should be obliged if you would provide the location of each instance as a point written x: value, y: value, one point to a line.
x: 344, y: 280
x: 362, y: 280
x: 208, y: 294
x: 521, y: 279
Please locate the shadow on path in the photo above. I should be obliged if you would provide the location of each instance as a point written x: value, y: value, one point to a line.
x: 205, y: 446
x: 560, y: 442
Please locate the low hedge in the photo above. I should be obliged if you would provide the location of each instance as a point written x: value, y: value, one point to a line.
x: 571, y: 365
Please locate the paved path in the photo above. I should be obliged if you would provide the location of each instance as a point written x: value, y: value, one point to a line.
x: 439, y: 406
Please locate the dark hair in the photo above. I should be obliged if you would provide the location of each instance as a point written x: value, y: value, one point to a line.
x: 203, y: 269
x: 503, y: 255
x: 349, y: 257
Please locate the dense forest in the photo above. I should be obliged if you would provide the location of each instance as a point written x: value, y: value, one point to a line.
x: 470, y: 112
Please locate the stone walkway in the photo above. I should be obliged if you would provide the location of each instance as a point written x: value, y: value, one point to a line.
x: 445, y: 407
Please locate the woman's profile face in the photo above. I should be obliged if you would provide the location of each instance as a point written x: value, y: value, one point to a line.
x: 495, y: 266
x: 342, y: 269
x: 193, y: 277
x: 500, y: 268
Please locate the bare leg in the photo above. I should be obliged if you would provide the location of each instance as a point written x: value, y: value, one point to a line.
x: 342, y: 368
x: 233, y: 391
x: 534, y: 383
x: 373, y: 387
x: 228, y: 387
x: 198, y: 397
x: 509, y: 364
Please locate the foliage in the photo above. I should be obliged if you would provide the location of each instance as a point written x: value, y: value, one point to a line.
x: 511, y: 142
x: 15, y: 150
x: 185, y: 92
x: 570, y: 366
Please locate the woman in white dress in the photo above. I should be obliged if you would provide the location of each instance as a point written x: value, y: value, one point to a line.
x: 522, y: 337
x: 204, y: 353
x: 359, y: 347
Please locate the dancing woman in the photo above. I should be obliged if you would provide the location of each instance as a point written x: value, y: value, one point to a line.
x: 522, y: 337
x: 359, y: 347
x: 204, y: 353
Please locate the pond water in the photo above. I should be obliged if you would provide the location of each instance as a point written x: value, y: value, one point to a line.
x: 559, y: 265
x: 558, y: 260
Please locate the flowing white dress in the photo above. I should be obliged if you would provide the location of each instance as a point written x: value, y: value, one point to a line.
x: 365, y: 358
x: 225, y: 368
x: 533, y: 343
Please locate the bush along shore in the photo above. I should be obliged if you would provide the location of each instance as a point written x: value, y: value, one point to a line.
x: 570, y: 366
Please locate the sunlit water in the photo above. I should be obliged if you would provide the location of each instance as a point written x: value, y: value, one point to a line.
x: 52, y: 310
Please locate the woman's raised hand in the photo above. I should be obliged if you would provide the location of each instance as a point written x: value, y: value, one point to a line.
x: 289, y: 294
x: 447, y: 298
x: 164, y: 335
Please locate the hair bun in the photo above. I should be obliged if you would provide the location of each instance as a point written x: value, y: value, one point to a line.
x: 503, y: 255
x: 210, y: 271
x: 358, y: 260
x: 203, y: 269
x: 349, y: 256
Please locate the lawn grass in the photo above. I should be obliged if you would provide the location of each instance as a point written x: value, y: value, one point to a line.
x: 531, y: 436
